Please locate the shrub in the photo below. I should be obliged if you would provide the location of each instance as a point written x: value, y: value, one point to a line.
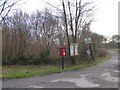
x: 102, y: 52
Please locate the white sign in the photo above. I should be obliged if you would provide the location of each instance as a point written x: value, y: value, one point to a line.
x: 88, y: 52
x: 74, y: 49
x: 71, y: 50
x: 63, y: 53
x: 88, y: 40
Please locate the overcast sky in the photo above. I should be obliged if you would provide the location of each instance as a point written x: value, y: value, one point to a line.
x: 106, y: 16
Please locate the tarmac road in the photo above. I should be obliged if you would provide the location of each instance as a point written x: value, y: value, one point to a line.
x: 103, y: 75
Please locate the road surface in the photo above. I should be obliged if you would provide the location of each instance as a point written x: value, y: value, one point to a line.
x: 103, y: 75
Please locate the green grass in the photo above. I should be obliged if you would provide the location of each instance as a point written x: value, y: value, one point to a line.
x: 116, y: 49
x: 119, y: 50
x: 10, y: 72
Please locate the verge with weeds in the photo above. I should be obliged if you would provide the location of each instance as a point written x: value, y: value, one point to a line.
x: 10, y: 72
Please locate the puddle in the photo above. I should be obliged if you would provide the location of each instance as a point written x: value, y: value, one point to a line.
x: 80, y: 82
x: 86, y: 75
x: 79, y: 76
x: 117, y: 71
x: 34, y: 86
x: 107, y: 76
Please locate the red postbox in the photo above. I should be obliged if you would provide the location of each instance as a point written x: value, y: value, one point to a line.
x: 62, y: 52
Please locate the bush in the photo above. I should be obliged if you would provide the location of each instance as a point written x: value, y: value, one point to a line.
x: 102, y: 52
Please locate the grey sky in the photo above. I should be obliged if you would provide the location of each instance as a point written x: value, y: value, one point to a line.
x: 106, y: 17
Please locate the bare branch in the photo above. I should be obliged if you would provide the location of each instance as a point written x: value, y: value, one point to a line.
x: 6, y: 8
x: 3, y: 7
x: 54, y: 6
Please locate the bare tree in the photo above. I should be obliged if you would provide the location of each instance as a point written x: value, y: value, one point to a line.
x: 16, y: 36
x: 44, y: 26
x: 5, y: 7
x: 76, y: 15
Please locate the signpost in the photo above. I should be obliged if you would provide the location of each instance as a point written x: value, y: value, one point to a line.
x: 88, y: 42
x: 62, y: 53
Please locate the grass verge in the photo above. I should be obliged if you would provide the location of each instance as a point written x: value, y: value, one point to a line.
x: 10, y: 72
x: 117, y: 49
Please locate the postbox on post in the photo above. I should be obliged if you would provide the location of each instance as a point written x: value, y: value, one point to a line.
x: 62, y: 53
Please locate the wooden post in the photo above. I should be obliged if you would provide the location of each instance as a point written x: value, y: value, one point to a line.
x: 62, y: 62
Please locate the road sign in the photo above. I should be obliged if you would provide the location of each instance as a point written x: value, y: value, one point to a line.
x: 88, y: 52
x: 88, y: 40
x: 62, y: 52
